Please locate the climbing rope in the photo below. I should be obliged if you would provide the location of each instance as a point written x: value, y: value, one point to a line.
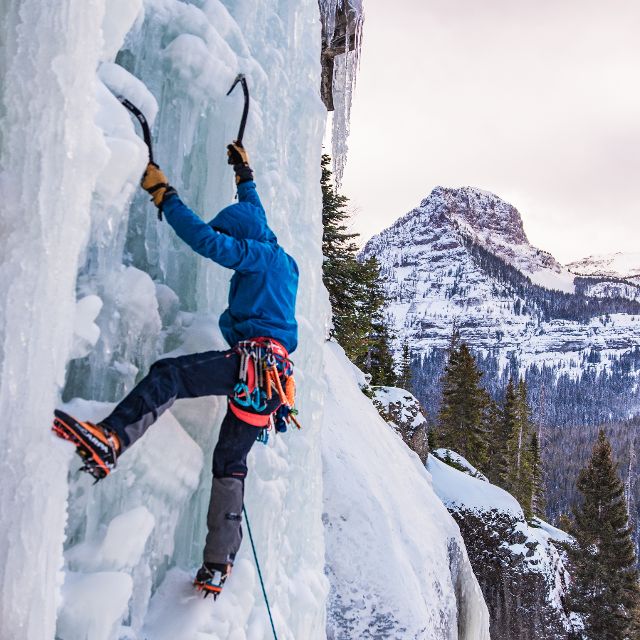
x: 255, y: 555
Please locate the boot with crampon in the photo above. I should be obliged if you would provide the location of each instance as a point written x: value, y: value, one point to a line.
x: 211, y: 577
x: 97, y: 446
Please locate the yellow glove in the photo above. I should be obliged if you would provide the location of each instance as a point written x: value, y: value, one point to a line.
x: 237, y: 154
x: 155, y: 182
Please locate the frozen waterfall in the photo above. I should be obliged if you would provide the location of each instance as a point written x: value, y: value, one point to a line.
x: 95, y: 288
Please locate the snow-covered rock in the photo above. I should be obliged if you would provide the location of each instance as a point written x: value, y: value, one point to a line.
x: 402, y: 410
x: 396, y: 562
x: 520, y: 568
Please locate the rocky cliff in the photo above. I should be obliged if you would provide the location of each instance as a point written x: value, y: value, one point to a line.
x: 521, y: 568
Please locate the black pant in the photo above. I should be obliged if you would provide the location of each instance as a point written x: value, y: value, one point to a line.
x: 213, y: 373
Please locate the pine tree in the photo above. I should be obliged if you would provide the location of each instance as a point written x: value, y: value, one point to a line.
x: 519, y: 475
x: 605, y: 576
x: 404, y: 379
x: 373, y: 353
x: 537, y: 480
x: 341, y: 272
x: 502, y: 434
x: 461, y: 424
x: 494, y: 421
x: 355, y: 289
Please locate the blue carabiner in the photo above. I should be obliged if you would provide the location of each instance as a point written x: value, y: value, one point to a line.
x: 241, y: 395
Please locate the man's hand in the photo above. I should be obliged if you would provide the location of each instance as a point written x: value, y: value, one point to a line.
x: 156, y: 183
x: 237, y: 156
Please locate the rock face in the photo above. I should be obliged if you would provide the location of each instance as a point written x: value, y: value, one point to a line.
x: 402, y: 410
x: 462, y: 257
x: 520, y: 568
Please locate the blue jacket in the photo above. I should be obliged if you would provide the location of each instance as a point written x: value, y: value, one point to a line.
x: 262, y: 294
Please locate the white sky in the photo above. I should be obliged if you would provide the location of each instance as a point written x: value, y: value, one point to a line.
x: 537, y: 101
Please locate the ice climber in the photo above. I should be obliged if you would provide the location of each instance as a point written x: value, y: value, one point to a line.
x: 255, y: 373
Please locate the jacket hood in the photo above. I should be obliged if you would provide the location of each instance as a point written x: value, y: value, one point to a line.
x: 244, y: 221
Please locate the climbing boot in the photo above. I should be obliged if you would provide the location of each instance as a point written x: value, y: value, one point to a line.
x: 211, y: 577
x: 96, y: 445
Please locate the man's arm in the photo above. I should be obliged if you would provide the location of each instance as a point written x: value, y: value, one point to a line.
x: 238, y: 157
x: 240, y: 255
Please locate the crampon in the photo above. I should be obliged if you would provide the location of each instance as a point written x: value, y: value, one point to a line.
x: 211, y: 578
x: 94, y: 444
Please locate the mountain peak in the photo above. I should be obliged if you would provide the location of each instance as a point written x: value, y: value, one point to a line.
x: 449, y: 215
x: 482, y: 213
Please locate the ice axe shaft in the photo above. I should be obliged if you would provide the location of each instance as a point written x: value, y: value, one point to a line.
x: 240, y: 78
x: 146, y: 132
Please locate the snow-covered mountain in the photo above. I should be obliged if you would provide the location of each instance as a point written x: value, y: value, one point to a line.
x: 462, y: 258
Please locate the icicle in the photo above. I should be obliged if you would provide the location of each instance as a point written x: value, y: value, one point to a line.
x: 342, y: 40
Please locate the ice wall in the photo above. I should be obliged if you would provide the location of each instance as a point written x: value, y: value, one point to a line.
x: 51, y: 153
x: 76, y: 227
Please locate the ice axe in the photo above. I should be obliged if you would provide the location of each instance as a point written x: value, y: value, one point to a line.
x: 240, y: 78
x: 146, y: 132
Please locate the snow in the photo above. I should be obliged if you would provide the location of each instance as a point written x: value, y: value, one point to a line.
x: 532, y: 546
x: 551, y: 532
x: 549, y: 279
x: 617, y: 265
x: 447, y: 454
x: 414, y: 580
x: 458, y: 489
x: 97, y: 604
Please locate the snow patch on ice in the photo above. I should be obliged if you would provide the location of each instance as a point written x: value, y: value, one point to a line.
x: 96, y: 603
x: 85, y: 332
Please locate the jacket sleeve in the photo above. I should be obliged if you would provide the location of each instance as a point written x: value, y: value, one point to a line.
x: 239, y: 255
x: 247, y: 192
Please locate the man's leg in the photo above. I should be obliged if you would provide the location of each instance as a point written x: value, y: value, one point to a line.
x: 227, y: 491
x: 213, y: 373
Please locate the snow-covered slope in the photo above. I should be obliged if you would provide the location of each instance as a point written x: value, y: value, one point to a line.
x: 616, y: 265
x: 395, y: 559
x: 461, y: 257
x: 521, y: 571
x: 76, y: 227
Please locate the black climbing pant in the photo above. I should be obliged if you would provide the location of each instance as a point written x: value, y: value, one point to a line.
x: 213, y: 373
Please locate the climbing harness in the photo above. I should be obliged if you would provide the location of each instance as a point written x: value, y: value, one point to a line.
x: 264, y: 365
x: 255, y: 557
x: 240, y: 78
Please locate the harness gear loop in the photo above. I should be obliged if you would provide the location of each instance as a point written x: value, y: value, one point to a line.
x: 264, y: 367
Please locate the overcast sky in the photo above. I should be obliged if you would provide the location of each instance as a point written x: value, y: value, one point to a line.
x: 537, y: 101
